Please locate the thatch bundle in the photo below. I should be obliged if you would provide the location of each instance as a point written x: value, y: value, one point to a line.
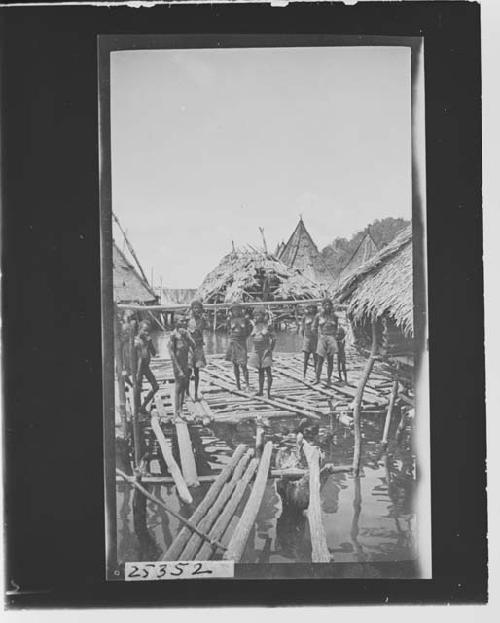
x: 255, y: 276
x: 383, y: 286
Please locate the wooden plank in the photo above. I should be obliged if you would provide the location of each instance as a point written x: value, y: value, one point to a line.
x: 207, y: 522
x: 320, y: 552
x: 224, y: 519
x: 241, y: 533
x: 216, y: 380
x: 184, y: 535
x: 188, y: 462
x: 172, y: 466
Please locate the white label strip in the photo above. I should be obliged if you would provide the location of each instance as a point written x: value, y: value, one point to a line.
x: 178, y: 570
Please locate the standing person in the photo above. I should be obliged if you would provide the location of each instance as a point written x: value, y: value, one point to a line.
x: 128, y: 332
x: 197, y: 323
x: 180, y: 347
x: 239, y: 328
x: 261, y: 358
x: 310, y: 341
x: 341, y: 354
x: 326, y: 324
x: 144, y: 350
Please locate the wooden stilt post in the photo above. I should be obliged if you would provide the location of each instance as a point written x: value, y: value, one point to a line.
x: 119, y: 373
x: 215, y: 320
x: 136, y: 403
x: 392, y: 400
x: 358, y: 398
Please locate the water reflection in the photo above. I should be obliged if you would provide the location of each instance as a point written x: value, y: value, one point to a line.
x: 365, y: 518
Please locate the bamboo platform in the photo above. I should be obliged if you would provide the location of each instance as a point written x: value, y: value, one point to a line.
x: 221, y: 524
x: 291, y: 395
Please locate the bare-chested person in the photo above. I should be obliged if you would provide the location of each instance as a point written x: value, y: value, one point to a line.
x: 310, y: 337
x: 197, y: 323
x: 144, y: 350
x: 239, y: 328
x: 180, y: 346
x: 326, y: 324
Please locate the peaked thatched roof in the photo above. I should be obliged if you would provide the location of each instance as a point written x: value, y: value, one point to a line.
x: 383, y: 285
x: 128, y: 286
x: 255, y: 276
x: 302, y: 253
x: 365, y: 250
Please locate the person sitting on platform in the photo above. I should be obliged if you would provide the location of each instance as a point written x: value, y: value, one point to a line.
x: 197, y: 323
x: 341, y: 363
x: 326, y: 324
x: 261, y: 358
x: 180, y: 346
x: 239, y: 328
x: 310, y: 336
x: 144, y: 350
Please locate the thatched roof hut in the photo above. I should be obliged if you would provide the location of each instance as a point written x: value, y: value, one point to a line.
x: 382, y: 290
x: 255, y: 276
x: 365, y: 250
x: 301, y: 252
x: 128, y: 285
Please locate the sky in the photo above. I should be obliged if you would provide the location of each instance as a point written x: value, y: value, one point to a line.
x: 208, y: 145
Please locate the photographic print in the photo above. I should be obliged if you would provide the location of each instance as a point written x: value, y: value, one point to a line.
x: 264, y: 308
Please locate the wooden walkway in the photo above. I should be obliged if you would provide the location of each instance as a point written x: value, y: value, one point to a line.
x: 291, y: 396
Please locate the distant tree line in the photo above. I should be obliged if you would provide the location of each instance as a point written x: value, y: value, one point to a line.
x: 339, y: 252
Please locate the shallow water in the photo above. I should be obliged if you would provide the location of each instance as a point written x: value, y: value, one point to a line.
x: 217, y: 343
x: 369, y: 518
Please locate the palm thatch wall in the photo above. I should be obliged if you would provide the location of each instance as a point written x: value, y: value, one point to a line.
x: 382, y: 289
x: 255, y: 276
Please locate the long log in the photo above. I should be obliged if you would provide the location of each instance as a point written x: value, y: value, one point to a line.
x: 184, y: 535
x: 162, y: 504
x: 172, y: 466
x: 271, y: 401
x: 207, y: 522
x: 320, y: 552
x: 224, y: 519
x: 241, y: 533
x: 188, y: 463
x: 358, y: 399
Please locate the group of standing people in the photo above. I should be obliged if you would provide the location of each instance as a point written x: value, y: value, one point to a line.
x: 323, y: 338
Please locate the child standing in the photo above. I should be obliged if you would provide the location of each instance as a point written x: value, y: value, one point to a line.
x: 326, y: 325
x: 341, y: 354
x: 196, y: 325
x: 261, y: 358
x: 239, y: 328
x: 144, y: 350
x: 310, y: 336
x: 180, y: 347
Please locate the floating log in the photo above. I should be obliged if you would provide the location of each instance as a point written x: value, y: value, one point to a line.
x: 172, y: 466
x: 207, y: 522
x: 190, y: 525
x: 227, y: 514
x: 188, y: 462
x: 184, y: 535
x: 320, y: 552
x: 241, y: 533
